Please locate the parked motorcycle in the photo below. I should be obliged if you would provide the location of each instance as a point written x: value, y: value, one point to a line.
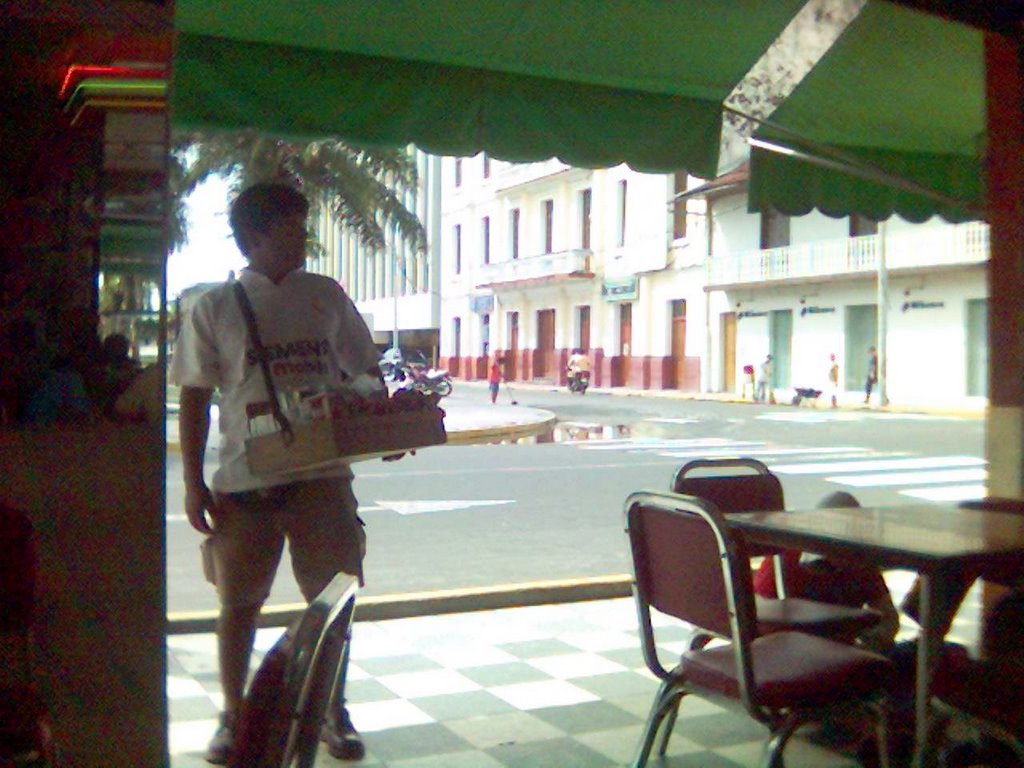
x: 579, y: 381
x: 394, y: 363
x: 424, y: 378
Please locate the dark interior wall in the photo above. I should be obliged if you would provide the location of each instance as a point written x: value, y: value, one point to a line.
x: 93, y: 490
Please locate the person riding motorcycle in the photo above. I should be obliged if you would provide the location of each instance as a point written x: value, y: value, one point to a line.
x: 579, y: 370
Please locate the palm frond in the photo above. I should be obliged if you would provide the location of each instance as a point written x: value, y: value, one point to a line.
x: 366, y: 189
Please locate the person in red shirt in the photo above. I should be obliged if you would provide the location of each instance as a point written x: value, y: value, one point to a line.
x: 494, y: 379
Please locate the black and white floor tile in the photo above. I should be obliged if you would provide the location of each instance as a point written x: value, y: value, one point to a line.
x: 554, y: 686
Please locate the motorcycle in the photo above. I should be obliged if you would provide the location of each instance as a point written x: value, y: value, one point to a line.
x: 579, y: 381
x: 425, y: 379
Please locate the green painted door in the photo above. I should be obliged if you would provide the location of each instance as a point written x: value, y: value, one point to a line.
x: 781, y: 345
x: 861, y: 332
x: 977, y: 347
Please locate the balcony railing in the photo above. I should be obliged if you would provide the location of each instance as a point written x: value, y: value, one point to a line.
x: 931, y: 247
x: 575, y: 261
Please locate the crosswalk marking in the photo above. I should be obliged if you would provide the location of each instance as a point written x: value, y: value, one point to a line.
x: 932, y: 478
x: 925, y: 462
x: 405, y: 507
x: 639, y: 444
x: 735, y: 450
x: 910, y: 478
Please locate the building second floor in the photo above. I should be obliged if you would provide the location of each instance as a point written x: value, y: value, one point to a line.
x: 514, y: 226
x: 756, y: 249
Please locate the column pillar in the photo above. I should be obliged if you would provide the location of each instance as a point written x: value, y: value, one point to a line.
x: 1005, y: 177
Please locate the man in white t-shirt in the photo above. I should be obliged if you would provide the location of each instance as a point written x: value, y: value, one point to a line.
x: 313, y: 335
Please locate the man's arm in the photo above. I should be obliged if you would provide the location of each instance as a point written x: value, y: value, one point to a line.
x: 193, y: 432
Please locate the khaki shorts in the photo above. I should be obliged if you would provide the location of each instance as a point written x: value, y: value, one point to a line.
x: 317, y: 517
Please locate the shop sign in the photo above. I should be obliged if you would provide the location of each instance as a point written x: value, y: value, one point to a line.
x: 482, y: 305
x: 621, y: 290
x: 817, y: 311
x: 923, y: 305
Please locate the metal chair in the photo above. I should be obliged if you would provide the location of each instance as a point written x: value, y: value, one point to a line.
x: 281, y: 717
x: 747, y: 485
x: 689, y: 565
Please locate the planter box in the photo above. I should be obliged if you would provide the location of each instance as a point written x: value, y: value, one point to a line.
x: 354, y: 438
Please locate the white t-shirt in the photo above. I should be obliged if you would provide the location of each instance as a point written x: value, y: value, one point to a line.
x: 313, y: 334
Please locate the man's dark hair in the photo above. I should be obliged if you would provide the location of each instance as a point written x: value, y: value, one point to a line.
x: 260, y: 206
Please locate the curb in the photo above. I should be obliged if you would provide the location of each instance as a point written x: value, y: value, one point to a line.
x: 470, y: 436
x: 504, y: 432
x: 415, y: 604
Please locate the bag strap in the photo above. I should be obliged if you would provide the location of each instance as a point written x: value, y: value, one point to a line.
x: 261, y: 354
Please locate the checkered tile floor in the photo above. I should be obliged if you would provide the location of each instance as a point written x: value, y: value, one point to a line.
x: 559, y: 686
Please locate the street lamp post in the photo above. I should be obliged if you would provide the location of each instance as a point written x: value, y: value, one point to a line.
x: 883, y: 315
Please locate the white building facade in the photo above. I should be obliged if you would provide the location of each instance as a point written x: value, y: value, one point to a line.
x: 543, y: 258
x: 803, y: 289
x: 668, y: 282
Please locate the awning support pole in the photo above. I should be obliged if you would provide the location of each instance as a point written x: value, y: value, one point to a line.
x: 816, y: 153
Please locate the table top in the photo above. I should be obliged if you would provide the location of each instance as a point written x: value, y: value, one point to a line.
x: 921, y: 537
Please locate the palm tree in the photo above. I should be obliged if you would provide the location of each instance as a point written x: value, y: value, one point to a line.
x: 363, y: 188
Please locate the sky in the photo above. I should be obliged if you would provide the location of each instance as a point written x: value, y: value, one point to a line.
x: 210, y: 254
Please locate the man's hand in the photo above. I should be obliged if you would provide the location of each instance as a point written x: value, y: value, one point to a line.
x: 193, y: 430
x: 200, y: 508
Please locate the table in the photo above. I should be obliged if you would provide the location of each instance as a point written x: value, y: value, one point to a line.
x: 934, y: 540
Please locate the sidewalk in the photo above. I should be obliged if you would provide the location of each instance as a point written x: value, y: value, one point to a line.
x: 966, y: 407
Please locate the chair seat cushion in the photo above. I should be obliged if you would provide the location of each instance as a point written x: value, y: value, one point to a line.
x: 822, y: 619
x: 791, y: 669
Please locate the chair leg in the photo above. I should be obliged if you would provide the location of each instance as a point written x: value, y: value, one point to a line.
x: 666, y: 701
x: 669, y: 725
x: 882, y: 733
x: 777, y: 742
x: 940, y: 721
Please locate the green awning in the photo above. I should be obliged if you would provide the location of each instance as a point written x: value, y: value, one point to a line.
x: 592, y: 83
x: 901, y: 94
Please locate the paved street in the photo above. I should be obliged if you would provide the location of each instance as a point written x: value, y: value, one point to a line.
x: 550, y: 507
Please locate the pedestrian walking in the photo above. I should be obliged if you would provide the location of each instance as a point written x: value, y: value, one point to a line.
x: 764, y: 386
x: 872, y: 375
x: 833, y: 380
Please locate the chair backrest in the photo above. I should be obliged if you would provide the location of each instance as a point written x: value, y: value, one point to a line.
x: 18, y: 570
x: 687, y: 564
x: 732, y: 485
x: 281, y: 717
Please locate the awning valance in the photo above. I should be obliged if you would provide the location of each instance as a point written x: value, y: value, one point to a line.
x: 594, y: 84
x: 897, y: 103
